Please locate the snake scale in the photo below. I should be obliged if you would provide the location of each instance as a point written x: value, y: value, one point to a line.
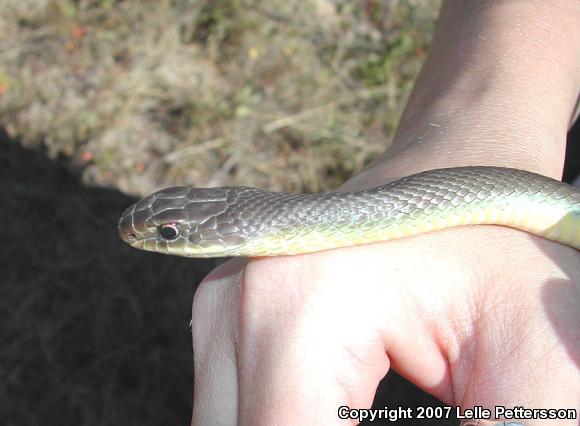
x: 242, y: 221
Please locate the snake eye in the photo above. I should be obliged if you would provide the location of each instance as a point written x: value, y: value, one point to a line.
x: 169, y: 231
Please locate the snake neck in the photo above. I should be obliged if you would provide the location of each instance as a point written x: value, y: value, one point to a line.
x: 285, y: 224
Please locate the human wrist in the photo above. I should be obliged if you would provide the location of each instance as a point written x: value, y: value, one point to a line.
x: 510, y: 67
x: 499, y: 87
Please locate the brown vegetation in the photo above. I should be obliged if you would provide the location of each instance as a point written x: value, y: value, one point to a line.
x: 287, y: 95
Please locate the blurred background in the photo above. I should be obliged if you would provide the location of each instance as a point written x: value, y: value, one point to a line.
x: 103, y: 101
x: 135, y: 95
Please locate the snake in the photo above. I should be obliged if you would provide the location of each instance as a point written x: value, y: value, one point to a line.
x: 244, y: 221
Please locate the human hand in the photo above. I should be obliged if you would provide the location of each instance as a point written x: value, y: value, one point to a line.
x: 289, y: 340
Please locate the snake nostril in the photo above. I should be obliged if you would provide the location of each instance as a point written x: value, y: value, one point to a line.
x: 127, y: 236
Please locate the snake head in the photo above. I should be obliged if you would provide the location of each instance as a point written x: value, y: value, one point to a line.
x: 181, y: 221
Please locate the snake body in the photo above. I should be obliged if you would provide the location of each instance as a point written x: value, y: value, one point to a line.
x: 242, y: 221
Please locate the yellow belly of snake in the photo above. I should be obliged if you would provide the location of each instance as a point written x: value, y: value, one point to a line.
x: 240, y: 221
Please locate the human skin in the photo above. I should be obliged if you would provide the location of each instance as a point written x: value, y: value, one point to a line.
x: 477, y: 315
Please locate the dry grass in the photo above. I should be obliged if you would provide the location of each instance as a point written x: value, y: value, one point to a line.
x: 281, y: 94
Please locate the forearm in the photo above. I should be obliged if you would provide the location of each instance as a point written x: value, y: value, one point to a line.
x: 499, y: 87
